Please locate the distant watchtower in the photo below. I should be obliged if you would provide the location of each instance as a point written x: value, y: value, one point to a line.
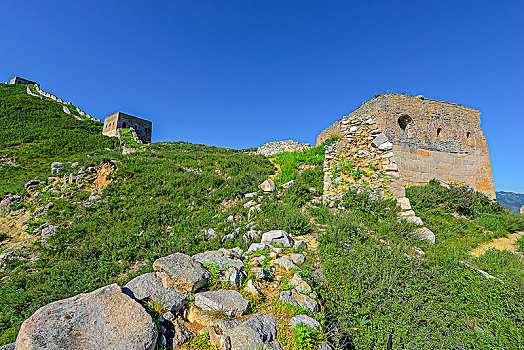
x: 121, y: 120
x: 18, y: 80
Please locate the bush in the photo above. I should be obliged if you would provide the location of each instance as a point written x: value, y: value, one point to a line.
x: 279, y: 216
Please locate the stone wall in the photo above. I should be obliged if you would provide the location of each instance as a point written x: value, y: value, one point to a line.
x: 430, y: 139
x: 120, y: 120
x: 276, y: 147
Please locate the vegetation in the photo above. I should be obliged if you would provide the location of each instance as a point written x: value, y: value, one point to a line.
x: 377, y: 284
x: 36, y: 133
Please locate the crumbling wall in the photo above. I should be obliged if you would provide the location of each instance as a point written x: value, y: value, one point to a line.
x: 430, y: 139
x: 276, y: 147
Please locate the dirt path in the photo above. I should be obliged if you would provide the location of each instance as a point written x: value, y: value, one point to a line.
x: 503, y: 243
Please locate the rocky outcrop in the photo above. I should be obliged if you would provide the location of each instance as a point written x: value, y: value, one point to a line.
x: 103, y: 319
x: 276, y: 147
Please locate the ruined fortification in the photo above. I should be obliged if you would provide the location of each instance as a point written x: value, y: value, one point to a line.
x: 393, y: 141
x: 120, y: 120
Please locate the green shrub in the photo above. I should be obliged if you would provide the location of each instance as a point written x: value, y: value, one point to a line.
x: 279, y: 216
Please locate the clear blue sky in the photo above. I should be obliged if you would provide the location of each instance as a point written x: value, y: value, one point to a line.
x: 242, y: 73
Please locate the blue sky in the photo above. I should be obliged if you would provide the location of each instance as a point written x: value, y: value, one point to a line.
x: 242, y: 73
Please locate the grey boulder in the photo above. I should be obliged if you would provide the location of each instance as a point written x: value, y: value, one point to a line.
x: 228, y: 302
x: 181, y: 272
x: 300, y: 300
x: 304, y: 320
x: 278, y: 237
x: 103, y: 319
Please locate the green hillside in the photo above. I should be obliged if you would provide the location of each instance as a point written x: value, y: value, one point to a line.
x: 373, y: 277
x: 35, y: 133
x: 511, y: 201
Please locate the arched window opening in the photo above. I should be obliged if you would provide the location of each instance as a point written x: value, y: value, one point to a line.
x: 468, y: 135
x: 404, y: 121
x: 439, y: 131
x: 124, y: 125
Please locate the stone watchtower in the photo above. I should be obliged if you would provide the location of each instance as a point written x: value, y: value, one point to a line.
x: 397, y: 141
x: 121, y: 120
x: 18, y: 80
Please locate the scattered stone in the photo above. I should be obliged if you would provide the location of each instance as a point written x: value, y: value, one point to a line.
x: 253, y: 289
x: 260, y: 273
x: 220, y: 341
x: 181, y: 334
x: 47, y: 232
x: 234, y: 276
x: 257, y: 260
x: 209, y: 234
x: 33, y: 183
x: 285, y: 262
x: 8, y: 346
x: 255, y: 247
x: 386, y: 146
x: 56, y: 167
x: 278, y: 237
x: 230, y: 218
x: 288, y: 184
x: 298, y: 259
x: 265, y: 326
x: 74, y: 165
x: 325, y: 346
x: 304, y: 320
x: 251, y: 236
x: 90, y: 321
x: 253, y: 210
x: 299, y: 245
x: 229, y: 302
x: 168, y: 316
x: 300, y: 285
x: 413, y: 219
x: 267, y: 186
x: 250, y: 195
x: 300, y: 300
x: 181, y: 272
x: 249, y: 204
x: 424, y: 234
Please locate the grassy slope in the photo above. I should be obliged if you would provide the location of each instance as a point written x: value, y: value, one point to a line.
x: 35, y: 133
x: 373, y: 288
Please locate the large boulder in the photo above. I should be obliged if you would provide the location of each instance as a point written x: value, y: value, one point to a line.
x: 278, y: 237
x: 181, y: 272
x: 103, y: 319
x: 148, y: 286
x: 229, y: 302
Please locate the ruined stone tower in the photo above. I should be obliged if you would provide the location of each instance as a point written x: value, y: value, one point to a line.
x: 393, y: 141
x: 121, y: 120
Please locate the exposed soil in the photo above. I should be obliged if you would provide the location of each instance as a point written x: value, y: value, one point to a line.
x: 503, y: 243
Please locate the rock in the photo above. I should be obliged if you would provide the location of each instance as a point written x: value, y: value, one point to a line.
x: 304, y: 320
x: 299, y: 245
x: 253, y: 289
x: 404, y: 203
x: 249, y: 204
x: 143, y: 286
x: 229, y: 302
x: 47, y: 232
x: 250, y: 195
x: 5, y: 204
x: 257, y: 260
x: 255, y: 247
x: 8, y: 346
x: 267, y: 186
x: 260, y: 273
x: 244, y: 338
x: 230, y: 236
x: 298, y: 259
x: 380, y: 140
x: 103, y: 319
x: 324, y: 346
x: 168, y: 316
x: 273, y: 345
x: 282, y: 146
x: 219, y: 259
x: 386, y: 146
x: 300, y: 285
x: 234, y: 276
x: 285, y: 262
x: 220, y: 341
x: 288, y: 184
x: 181, y: 334
x: 413, y: 219
x: 278, y: 237
x: 181, y: 272
x: 230, y: 218
x: 301, y: 300
x: 195, y: 315
x: 253, y: 210
x: 209, y: 234
x: 56, y: 167
x: 424, y: 234
x: 265, y: 326
x: 33, y: 183
x: 74, y: 165
x: 251, y: 236
x: 170, y: 299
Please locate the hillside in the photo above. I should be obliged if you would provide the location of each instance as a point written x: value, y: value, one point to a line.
x: 111, y: 218
x: 511, y: 201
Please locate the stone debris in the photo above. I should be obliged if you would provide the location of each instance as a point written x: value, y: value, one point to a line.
x: 276, y: 147
x: 287, y: 184
x: 301, y: 300
x: 278, y: 237
x: 300, y: 285
x: 181, y: 272
x: 304, y: 320
x: 424, y: 234
x: 94, y: 321
x: 268, y: 186
x: 227, y: 302
x: 285, y: 262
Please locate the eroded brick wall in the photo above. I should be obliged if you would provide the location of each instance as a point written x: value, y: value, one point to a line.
x: 431, y: 139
